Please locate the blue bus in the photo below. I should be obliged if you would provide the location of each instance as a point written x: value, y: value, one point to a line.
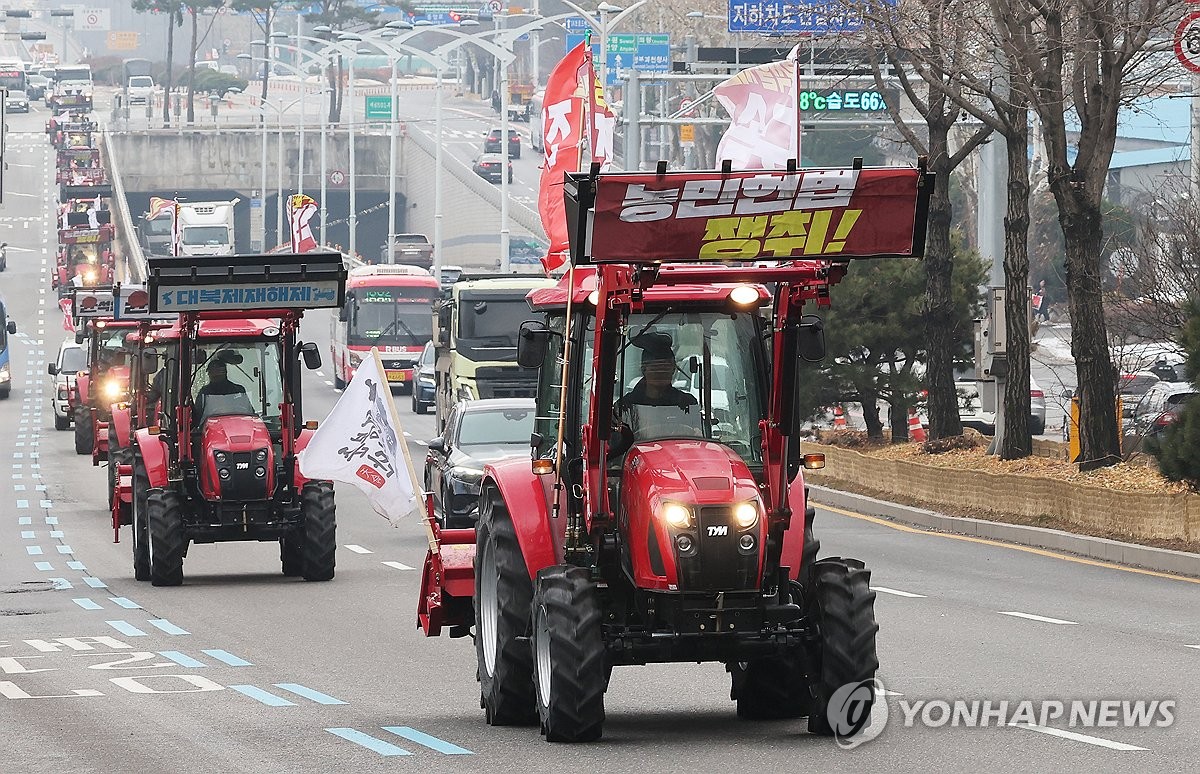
x: 7, y: 328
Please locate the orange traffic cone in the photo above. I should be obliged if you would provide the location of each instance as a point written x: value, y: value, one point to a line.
x: 839, y: 419
x: 915, y: 431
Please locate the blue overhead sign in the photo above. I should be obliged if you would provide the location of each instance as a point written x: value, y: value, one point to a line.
x: 794, y: 16
x: 644, y: 52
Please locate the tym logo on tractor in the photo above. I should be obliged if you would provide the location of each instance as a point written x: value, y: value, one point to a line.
x: 663, y: 516
x: 218, y: 463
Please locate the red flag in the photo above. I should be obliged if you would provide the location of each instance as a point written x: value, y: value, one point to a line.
x: 67, y: 308
x: 300, y: 210
x: 158, y: 206
x: 761, y: 102
x: 562, y: 129
x: 603, y: 124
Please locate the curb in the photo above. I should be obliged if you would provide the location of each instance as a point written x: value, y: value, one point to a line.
x: 1146, y: 557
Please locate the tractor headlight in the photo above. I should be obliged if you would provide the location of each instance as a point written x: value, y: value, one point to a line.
x: 89, y: 276
x: 220, y: 457
x: 744, y: 295
x: 468, y: 475
x: 745, y: 515
x: 678, y: 516
x: 113, y: 389
x: 261, y: 455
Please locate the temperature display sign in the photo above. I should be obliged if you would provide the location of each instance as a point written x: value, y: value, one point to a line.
x: 825, y: 101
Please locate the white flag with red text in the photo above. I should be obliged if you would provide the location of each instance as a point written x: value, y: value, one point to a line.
x: 300, y: 210
x: 361, y: 443
x: 761, y: 102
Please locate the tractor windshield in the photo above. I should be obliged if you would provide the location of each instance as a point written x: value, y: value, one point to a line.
x: 238, y: 378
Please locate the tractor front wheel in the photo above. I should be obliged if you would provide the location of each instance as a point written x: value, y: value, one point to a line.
x: 141, y: 531
x: 570, y: 672
x: 843, y: 606
x: 168, y: 541
x: 503, y: 593
x: 84, y: 432
x: 320, y: 530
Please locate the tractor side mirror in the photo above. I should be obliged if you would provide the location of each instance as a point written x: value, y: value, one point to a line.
x: 80, y: 336
x: 344, y: 312
x: 810, y: 344
x: 150, y: 361
x: 12, y: 326
x: 532, y: 338
x: 52, y: 369
x: 311, y: 355
x: 436, y: 445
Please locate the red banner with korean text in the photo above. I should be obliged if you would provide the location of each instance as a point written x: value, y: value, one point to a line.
x: 562, y: 130
x: 759, y: 215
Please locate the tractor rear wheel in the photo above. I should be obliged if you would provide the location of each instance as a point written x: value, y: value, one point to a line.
x: 569, y: 665
x: 84, y: 432
x: 320, y: 531
x: 843, y: 607
x: 141, y: 532
x: 168, y: 541
x: 503, y: 594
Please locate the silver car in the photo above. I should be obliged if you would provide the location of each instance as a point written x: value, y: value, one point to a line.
x: 72, y: 358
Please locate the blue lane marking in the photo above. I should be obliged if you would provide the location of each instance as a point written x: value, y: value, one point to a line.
x: 52, y: 520
x: 22, y: 503
x: 125, y: 603
x: 28, y: 534
x: 126, y: 628
x: 308, y: 693
x: 43, y: 566
x: 95, y: 583
x: 76, y: 565
x: 64, y: 549
x: 258, y: 694
x: 62, y: 583
x: 432, y: 742
x: 25, y: 521
x: 87, y: 604
x: 166, y: 626
x: 226, y: 657
x: 33, y: 550
x: 371, y: 743
x: 182, y: 659
x: 56, y: 533
x: 46, y: 503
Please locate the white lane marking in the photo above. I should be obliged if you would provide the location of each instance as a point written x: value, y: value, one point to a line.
x: 1197, y: 647
x: 358, y: 549
x: 1041, y: 618
x: 18, y: 193
x: 898, y: 593
x: 330, y: 384
x: 399, y: 565
x: 1078, y: 737
x: 320, y: 373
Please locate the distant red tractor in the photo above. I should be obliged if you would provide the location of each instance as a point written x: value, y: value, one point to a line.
x: 85, y: 257
x: 663, y: 516
x: 106, y: 380
x: 221, y: 464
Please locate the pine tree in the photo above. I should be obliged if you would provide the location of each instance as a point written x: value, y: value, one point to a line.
x: 1178, y: 449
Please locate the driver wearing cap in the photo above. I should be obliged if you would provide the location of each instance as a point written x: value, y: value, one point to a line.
x: 219, y: 383
x: 658, y: 367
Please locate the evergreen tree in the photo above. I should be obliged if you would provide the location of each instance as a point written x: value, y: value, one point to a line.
x: 1178, y: 449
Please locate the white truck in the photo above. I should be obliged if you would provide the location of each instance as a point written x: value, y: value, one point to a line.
x: 207, y: 228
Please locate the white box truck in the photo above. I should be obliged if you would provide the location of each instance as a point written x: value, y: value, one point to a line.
x: 206, y: 228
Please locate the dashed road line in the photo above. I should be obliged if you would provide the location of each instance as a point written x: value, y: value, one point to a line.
x: 259, y: 695
x: 227, y: 658
x: 1121, y: 746
x: 399, y: 565
x: 1197, y: 647
x: 308, y: 693
x: 1042, y: 618
x: 164, y: 625
x: 358, y: 549
x: 386, y: 749
x: 897, y: 592
x: 425, y: 740
x: 128, y: 604
x: 126, y: 628
x: 182, y: 659
x: 87, y: 604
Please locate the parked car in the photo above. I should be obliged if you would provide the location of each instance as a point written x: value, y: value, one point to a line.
x: 971, y: 413
x: 424, y: 382
x: 17, y: 102
x: 71, y: 359
x: 477, y: 432
x: 1131, y: 387
x: 1159, y: 408
x: 491, y: 142
x: 488, y: 167
x: 35, y: 86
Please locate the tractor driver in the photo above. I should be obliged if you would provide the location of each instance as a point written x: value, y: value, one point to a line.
x: 658, y: 368
x: 219, y: 383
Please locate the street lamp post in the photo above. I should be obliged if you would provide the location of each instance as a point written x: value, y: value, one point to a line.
x: 737, y: 36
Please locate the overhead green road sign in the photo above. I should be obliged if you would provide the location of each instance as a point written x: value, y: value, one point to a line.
x: 378, y: 107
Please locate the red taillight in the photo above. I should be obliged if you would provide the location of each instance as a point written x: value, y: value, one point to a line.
x: 1037, y: 394
x: 1166, y: 419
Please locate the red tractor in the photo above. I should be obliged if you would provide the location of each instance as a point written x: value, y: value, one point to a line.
x: 663, y: 516
x: 220, y: 463
x: 85, y: 257
x: 106, y: 380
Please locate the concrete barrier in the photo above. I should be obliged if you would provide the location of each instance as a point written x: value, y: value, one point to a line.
x: 1134, y: 515
x: 128, y: 248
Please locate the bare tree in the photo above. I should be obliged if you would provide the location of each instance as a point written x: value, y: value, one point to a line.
x: 934, y: 28
x: 1087, y: 58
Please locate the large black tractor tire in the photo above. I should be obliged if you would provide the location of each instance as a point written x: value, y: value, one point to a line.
x: 503, y: 595
x: 140, y: 534
x: 84, y: 432
x: 320, y: 531
x: 843, y: 606
x: 168, y: 541
x: 570, y: 671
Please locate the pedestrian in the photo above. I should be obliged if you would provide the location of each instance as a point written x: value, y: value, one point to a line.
x: 1043, y: 306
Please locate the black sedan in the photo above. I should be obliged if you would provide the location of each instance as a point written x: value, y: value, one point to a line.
x: 424, y: 382
x: 488, y: 167
x: 477, y: 432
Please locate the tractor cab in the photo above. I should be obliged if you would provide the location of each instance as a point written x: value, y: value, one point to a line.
x: 663, y: 515
x: 85, y: 258
x: 220, y: 462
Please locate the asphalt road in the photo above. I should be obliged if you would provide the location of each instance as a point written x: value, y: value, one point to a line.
x: 243, y: 670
